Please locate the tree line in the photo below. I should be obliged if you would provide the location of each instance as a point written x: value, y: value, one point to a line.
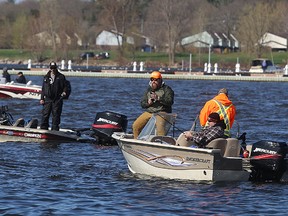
x: 28, y: 24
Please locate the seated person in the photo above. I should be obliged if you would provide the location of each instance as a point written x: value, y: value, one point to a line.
x: 21, y: 78
x: 214, y: 129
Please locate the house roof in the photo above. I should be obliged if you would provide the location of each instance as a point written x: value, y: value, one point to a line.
x: 204, y: 39
x: 273, y: 41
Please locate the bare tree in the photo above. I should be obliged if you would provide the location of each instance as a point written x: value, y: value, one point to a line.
x: 171, y: 19
x: 166, y: 22
x: 200, y: 22
x: 20, y: 32
x: 256, y: 21
x: 116, y: 16
x: 35, y: 45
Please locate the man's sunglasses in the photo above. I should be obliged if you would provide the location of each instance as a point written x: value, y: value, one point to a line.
x: 153, y: 79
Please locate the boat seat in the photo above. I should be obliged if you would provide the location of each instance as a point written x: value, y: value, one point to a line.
x: 219, y: 143
x: 233, y: 148
x: 19, y: 123
x: 32, y: 124
x: 163, y: 139
x: 181, y: 141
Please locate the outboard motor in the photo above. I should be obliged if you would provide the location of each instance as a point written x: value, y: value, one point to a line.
x: 105, y: 124
x: 268, y: 161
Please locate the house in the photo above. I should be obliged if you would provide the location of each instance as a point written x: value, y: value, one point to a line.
x: 46, y: 39
x: 143, y: 42
x: 216, y: 40
x: 275, y: 42
x: 203, y: 39
x: 111, y: 38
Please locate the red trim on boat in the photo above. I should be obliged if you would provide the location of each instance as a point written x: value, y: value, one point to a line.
x: 267, y: 156
x: 109, y: 126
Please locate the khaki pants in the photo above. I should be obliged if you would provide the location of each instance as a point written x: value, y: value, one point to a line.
x: 142, y: 120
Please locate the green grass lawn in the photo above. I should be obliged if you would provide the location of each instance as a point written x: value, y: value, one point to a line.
x: 226, y: 59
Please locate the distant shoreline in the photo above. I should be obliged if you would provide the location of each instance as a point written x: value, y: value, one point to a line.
x: 271, y: 77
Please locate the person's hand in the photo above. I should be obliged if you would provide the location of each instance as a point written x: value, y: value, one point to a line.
x: 42, y: 102
x: 188, y: 135
x: 63, y: 94
x: 151, y: 101
x: 154, y: 96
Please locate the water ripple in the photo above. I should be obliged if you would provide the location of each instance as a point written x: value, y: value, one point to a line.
x: 86, y: 179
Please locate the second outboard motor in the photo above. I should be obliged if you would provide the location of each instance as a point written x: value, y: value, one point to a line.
x: 268, y: 160
x: 105, y: 124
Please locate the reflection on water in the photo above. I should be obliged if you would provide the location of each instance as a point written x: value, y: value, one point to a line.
x: 86, y: 179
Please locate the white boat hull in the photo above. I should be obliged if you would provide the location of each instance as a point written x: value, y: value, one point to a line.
x: 20, y: 91
x: 177, y: 162
x: 187, y: 174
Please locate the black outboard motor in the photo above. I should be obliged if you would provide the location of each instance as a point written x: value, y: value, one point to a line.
x: 105, y: 124
x: 268, y: 161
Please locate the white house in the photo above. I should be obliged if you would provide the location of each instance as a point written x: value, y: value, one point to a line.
x: 111, y: 38
x: 273, y: 41
x: 203, y: 39
x: 216, y: 40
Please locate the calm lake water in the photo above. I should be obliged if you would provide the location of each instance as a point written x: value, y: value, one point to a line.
x: 87, y: 179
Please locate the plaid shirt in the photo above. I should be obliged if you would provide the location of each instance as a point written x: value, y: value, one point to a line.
x: 203, y: 137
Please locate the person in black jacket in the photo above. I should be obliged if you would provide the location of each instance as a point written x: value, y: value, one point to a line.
x: 6, y: 75
x: 21, y: 78
x: 53, y: 91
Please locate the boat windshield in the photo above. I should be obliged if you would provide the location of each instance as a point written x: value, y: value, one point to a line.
x: 261, y: 62
x: 162, y: 121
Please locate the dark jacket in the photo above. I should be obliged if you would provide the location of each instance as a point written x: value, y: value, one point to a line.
x: 207, y: 134
x: 7, y: 76
x: 53, y: 90
x: 21, y: 79
x: 164, y: 103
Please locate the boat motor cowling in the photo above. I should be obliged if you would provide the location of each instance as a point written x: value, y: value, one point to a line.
x: 268, y: 160
x: 105, y: 124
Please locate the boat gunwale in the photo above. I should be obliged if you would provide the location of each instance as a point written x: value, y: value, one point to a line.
x: 162, y: 145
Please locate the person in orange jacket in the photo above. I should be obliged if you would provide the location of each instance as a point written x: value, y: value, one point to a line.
x: 221, y: 105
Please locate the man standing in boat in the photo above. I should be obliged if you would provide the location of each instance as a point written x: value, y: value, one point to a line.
x: 158, y: 97
x: 53, y: 90
x: 221, y: 105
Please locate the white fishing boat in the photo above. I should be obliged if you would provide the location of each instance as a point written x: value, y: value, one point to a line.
x: 19, y: 90
x: 167, y: 157
x: 262, y: 65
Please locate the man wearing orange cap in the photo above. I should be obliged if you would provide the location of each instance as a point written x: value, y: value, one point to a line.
x: 221, y: 105
x: 158, y: 97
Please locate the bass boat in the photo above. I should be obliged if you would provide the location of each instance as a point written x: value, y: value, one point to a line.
x: 221, y: 160
x: 99, y: 133
x: 19, y: 90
